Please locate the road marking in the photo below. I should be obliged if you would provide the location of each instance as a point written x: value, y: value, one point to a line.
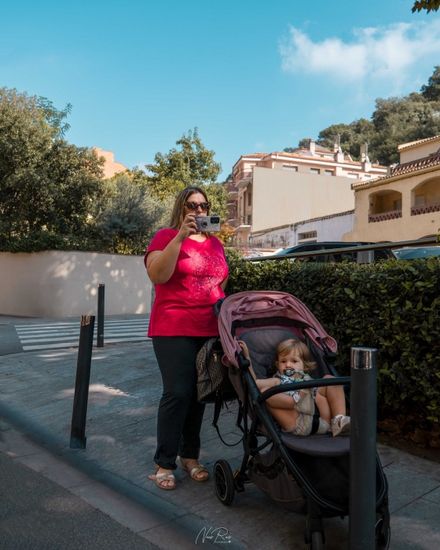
x: 60, y: 334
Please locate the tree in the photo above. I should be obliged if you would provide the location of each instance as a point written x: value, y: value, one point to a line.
x: 401, y: 120
x: 126, y: 216
x: 394, y: 121
x: 47, y: 186
x: 189, y: 164
x: 431, y: 91
x: 428, y: 5
x: 351, y: 136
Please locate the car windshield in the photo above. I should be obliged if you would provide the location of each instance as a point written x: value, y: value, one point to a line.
x: 417, y: 252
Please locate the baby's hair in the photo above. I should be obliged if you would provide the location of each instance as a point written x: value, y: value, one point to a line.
x: 293, y: 344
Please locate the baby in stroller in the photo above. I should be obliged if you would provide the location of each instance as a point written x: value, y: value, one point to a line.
x: 294, y: 410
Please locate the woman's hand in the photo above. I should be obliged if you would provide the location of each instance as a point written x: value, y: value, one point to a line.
x: 188, y: 227
x: 244, y: 349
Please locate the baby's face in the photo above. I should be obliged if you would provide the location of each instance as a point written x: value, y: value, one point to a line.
x: 289, y: 361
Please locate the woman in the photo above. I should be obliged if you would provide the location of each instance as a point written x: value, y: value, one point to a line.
x: 189, y: 271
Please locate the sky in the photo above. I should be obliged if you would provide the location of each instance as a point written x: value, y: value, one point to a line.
x: 251, y: 76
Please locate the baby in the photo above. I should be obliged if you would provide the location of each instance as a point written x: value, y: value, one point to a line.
x: 294, y: 409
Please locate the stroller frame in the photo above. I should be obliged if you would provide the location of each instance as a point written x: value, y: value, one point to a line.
x: 315, y: 506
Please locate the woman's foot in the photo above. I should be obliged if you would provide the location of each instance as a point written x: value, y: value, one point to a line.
x: 195, y: 470
x: 164, y: 479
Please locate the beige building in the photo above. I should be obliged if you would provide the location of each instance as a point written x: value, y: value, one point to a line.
x: 111, y: 167
x: 405, y: 204
x: 283, y: 188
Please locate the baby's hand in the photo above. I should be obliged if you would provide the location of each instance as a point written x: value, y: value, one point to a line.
x: 244, y: 348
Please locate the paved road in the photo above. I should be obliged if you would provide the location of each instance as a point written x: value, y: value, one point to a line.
x: 38, y: 514
x: 121, y: 436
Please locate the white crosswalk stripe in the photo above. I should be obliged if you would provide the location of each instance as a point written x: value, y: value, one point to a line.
x: 65, y: 334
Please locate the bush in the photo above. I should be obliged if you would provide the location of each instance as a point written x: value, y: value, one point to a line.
x: 393, y: 306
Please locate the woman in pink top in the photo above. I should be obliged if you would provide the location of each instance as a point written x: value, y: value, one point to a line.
x: 189, y: 272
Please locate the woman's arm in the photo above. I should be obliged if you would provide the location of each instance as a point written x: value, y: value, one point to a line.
x: 162, y: 263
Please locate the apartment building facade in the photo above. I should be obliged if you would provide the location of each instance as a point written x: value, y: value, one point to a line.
x: 405, y: 204
x: 269, y: 191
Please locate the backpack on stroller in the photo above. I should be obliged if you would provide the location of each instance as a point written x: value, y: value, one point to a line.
x: 310, y: 474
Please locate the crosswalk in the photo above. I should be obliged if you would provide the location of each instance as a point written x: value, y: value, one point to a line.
x: 65, y: 334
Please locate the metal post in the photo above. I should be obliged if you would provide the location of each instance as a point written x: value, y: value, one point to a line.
x: 100, y: 329
x: 79, y: 413
x: 363, y: 401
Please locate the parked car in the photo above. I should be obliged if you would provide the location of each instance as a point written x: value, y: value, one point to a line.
x: 414, y: 252
x: 382, y: 254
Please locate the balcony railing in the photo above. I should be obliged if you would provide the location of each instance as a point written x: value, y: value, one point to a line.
x: 384, y: 216
x: 416, y: 210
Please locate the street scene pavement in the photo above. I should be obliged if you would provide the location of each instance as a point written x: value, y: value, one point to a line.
x: 100, y: 496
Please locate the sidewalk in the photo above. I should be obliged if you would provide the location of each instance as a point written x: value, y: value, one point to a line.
x: 36, y: 397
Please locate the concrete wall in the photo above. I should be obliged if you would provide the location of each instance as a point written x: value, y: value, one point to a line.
x: 419, y: 151
x: 59, y: 284
x: 282, y: 197
x: 408, y: 226
x: 328, y: 228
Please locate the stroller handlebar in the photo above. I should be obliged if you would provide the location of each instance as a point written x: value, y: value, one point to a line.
x: 307, y: 384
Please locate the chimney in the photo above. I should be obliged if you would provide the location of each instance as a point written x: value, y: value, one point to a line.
x: 312, y: 146
x: 364, y: 153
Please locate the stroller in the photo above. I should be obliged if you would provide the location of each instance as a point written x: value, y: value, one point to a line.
x: 308, y: 474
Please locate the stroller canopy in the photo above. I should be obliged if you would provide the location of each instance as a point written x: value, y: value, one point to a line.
x: 260, y: 304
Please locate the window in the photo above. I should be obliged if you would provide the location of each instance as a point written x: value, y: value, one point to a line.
x: 249, y: 201
x: 315, y: 170
x: 307, y: 235
x: 352, y: 175
x: 328, y: 172
x: 290, y: 167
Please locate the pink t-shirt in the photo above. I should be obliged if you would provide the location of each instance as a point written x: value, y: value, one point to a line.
x: 183, y: 306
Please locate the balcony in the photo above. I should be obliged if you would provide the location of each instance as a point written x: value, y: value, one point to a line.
x: 416, y: 210
x: 385, y: 216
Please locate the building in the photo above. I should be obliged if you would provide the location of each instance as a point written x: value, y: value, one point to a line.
x: 111, y: 167
x: 405, y: 204
x: 271, y: 190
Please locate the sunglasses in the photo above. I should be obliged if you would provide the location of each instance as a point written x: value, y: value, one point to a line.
x: 194, y: 205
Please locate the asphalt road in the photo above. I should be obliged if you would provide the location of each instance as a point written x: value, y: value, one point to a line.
x: 38, y: 514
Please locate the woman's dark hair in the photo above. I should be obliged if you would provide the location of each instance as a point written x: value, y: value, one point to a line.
x: 178, y: 213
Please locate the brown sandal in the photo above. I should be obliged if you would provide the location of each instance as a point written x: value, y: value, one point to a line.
x: 163, y: 480
x: 197, y: 473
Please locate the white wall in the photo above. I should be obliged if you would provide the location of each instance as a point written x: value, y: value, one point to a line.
x: 59, y: 284
x: 283, y: 197
x: 328, y: 228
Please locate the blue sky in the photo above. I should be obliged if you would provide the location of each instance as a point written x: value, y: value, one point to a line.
x: 252, y: 76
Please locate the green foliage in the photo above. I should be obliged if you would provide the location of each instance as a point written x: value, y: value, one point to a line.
x: 189, y: 164
x: 47, y: 186
x: 351, y: 136
x: 126, y: 216
x: 428, y: 5
x: 401, y: 120
x: 394, y: 121
x: 431, y: 91
x: 393, y: 306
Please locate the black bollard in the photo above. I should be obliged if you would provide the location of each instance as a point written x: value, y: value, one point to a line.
x: 78, y: 428
x: 363, y: 402
x: 100, y: 328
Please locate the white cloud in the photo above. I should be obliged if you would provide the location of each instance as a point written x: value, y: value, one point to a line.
x: 374, y: 53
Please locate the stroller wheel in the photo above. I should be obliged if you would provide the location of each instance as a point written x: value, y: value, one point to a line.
x: 224, y: 482
x: 383, y: 534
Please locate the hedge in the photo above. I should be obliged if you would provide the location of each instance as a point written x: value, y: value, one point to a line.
x: 393, y: 306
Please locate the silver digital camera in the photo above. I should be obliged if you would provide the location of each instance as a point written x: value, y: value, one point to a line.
x: 208, y: 223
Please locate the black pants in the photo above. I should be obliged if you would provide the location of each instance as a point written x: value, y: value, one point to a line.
x: 180, y: 415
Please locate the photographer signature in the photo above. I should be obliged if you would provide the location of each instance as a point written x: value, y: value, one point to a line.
x: 216, y: 535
